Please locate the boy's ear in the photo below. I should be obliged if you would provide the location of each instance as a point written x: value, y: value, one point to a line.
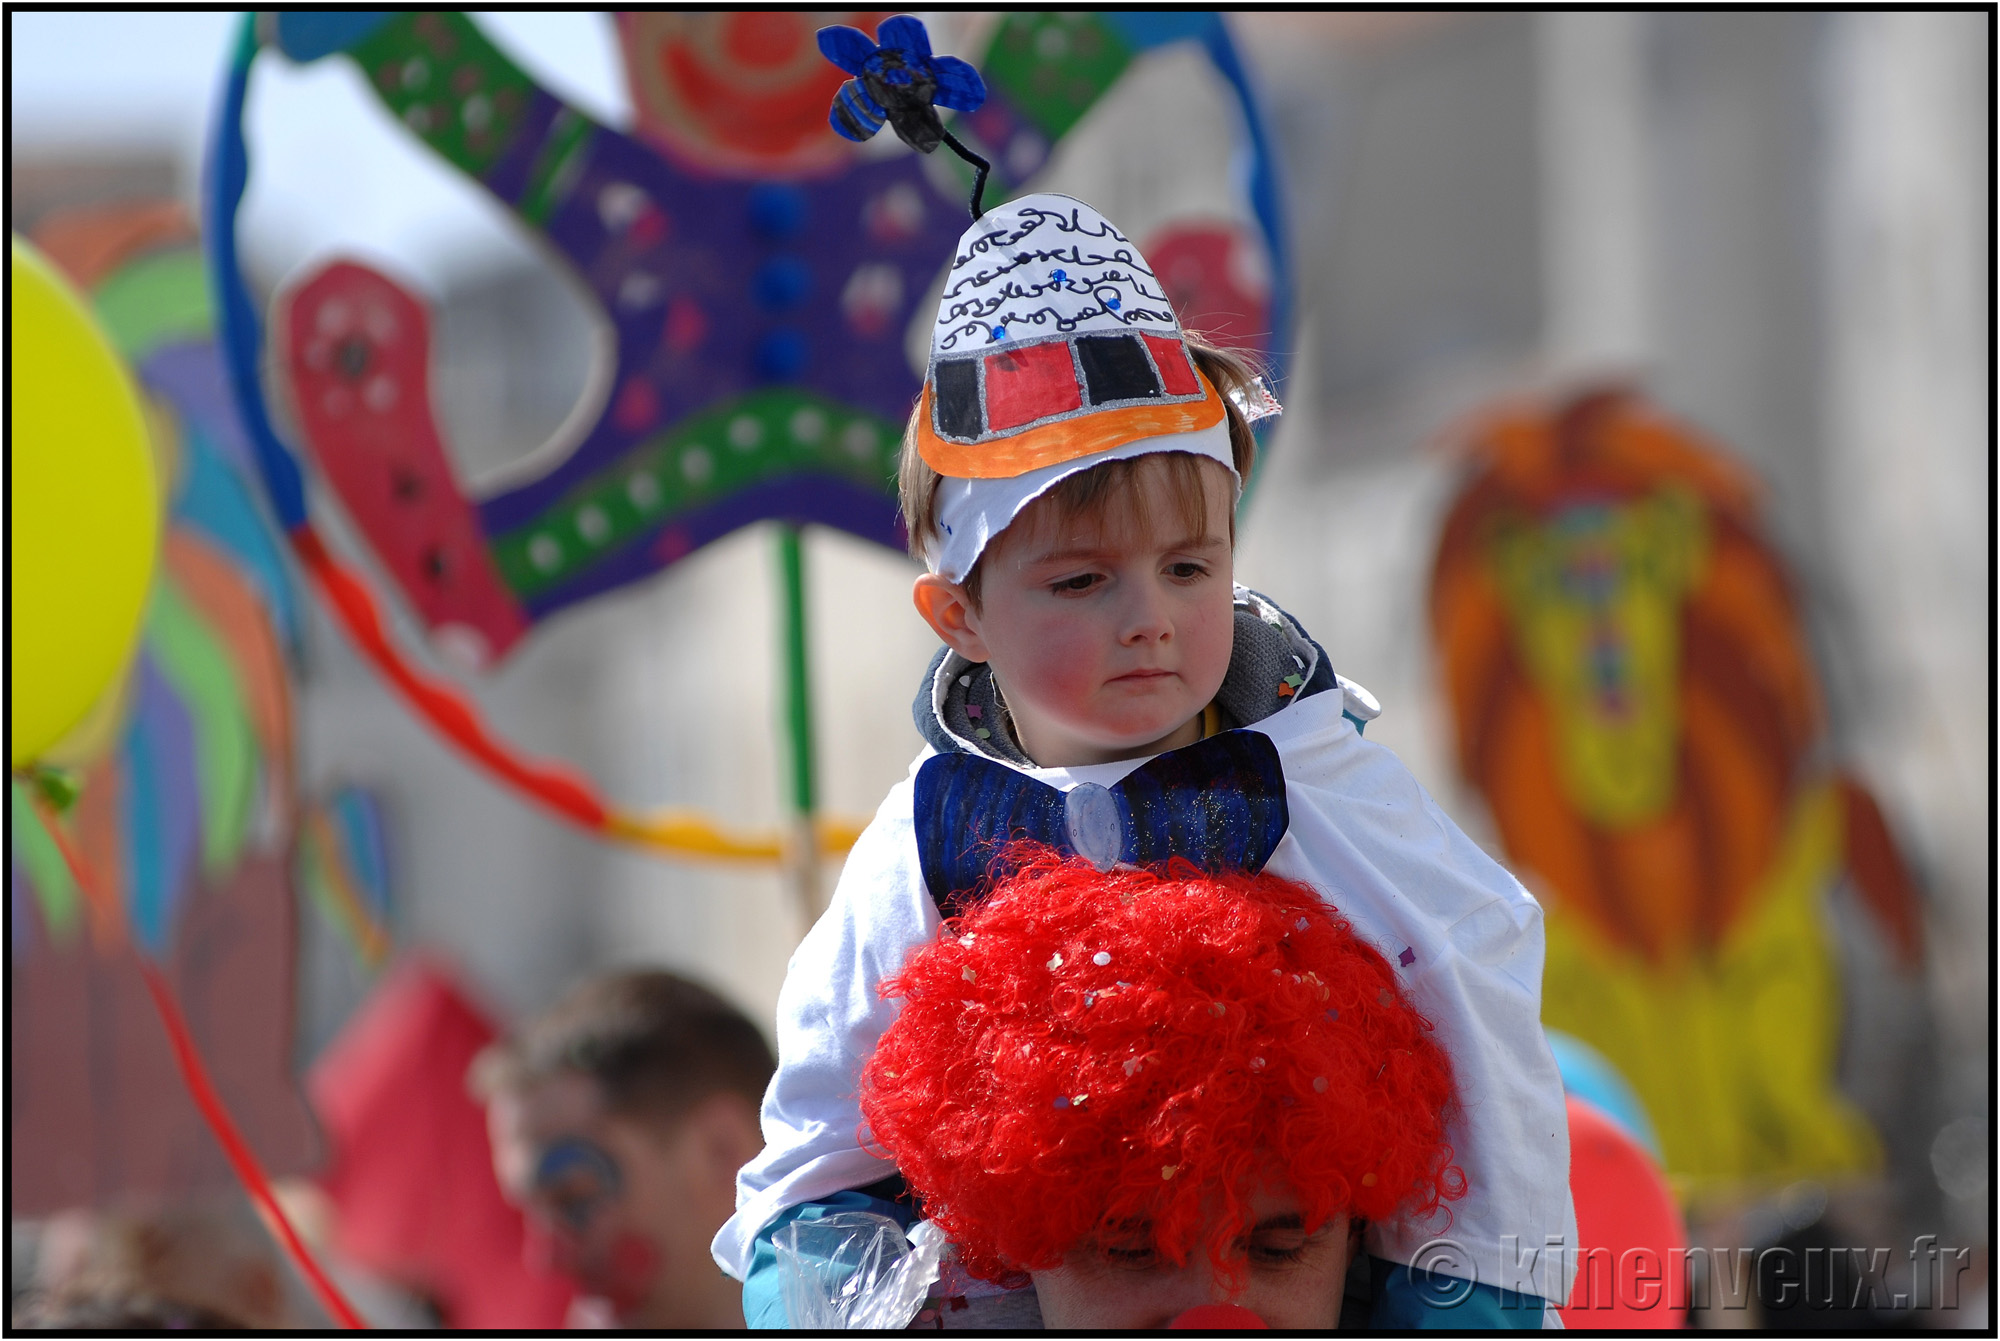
x: 946, y: 608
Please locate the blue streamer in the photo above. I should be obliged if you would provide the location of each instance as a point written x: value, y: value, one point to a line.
x: 1263, y: 194
x: 1147, y: 29
x: 218, y: 503
x: 358, y: 820
x: 307, y: 34
x: 144, y: 880
x: 228, y: 175
x: 163, y: 805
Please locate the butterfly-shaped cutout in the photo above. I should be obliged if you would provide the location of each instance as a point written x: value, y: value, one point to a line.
x: 1219, y: 803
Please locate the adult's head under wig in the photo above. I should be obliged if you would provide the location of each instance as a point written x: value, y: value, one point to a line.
x: 1087, y: 1050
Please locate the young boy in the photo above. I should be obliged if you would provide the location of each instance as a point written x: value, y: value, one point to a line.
x: 1070, y: 479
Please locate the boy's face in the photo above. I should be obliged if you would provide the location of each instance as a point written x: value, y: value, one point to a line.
x: 1108, y: 636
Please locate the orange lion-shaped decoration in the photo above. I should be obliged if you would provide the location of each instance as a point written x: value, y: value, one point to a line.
x: 1636, y: 701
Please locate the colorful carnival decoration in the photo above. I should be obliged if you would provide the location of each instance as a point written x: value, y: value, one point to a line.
x: 82, y: 511
x: 171, y: 865
x: 1636, y: 700
x: 756, y: 276
x: 343, y: 865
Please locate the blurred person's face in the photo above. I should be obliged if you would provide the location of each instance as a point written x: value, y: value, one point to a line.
x: 624, y: 1206
x: 1292, y: 1279
x: 1107, y: 637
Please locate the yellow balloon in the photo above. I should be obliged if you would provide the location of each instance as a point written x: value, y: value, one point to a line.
x: 84, y: 519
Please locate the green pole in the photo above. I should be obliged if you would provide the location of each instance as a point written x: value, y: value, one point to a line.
x: 798, y: 719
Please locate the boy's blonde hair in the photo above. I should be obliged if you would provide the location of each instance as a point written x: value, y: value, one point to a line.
x: 1091, y: 491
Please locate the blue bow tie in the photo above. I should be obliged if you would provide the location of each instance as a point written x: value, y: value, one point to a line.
x: 1219, y: 803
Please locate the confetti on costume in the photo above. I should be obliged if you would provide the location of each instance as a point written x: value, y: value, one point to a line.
x: 1151, y: 1044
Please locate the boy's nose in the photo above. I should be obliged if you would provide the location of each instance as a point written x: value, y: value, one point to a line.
x: 1146, y: 619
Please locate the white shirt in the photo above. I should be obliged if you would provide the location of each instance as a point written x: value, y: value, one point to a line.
x: 1363, y: 833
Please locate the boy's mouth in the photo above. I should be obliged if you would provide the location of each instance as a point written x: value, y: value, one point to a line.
x: 1142, y: 676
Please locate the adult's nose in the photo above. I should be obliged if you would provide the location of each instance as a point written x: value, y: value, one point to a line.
x: 1192, y: 1290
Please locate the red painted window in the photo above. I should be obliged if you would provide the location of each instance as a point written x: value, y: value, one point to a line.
x: 1176, y: 370
x: 1023, y: 385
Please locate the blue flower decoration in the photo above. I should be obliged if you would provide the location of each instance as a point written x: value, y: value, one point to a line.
x: 898, y: 81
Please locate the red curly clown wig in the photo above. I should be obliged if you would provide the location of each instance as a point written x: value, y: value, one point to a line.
x: 1087, y: 1050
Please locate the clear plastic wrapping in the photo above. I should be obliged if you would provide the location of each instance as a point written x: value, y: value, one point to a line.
x: 855, y: 1270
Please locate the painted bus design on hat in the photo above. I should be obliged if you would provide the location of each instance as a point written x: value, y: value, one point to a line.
x: 1054, y: 341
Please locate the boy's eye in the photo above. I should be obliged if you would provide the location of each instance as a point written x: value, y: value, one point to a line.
x: 1187, y: 571
x: 1081, y: 582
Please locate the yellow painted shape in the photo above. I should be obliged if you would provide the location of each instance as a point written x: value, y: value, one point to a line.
x: 1733, y: 1054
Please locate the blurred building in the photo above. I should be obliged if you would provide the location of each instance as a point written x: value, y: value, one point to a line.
x: 1776, y: 224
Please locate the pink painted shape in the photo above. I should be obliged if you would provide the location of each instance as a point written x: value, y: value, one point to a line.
x: 686, y: 324
x: 1210, y: 272
x: 357, y: 352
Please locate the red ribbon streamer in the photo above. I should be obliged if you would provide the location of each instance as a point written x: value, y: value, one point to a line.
x: 247, y: 1169
x: 195, y: 1076
x: 446, y: 709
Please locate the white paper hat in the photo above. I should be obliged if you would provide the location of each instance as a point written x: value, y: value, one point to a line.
x: 1055, y: 349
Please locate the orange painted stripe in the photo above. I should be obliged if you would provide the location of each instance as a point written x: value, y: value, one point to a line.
x: 1064, y: 440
